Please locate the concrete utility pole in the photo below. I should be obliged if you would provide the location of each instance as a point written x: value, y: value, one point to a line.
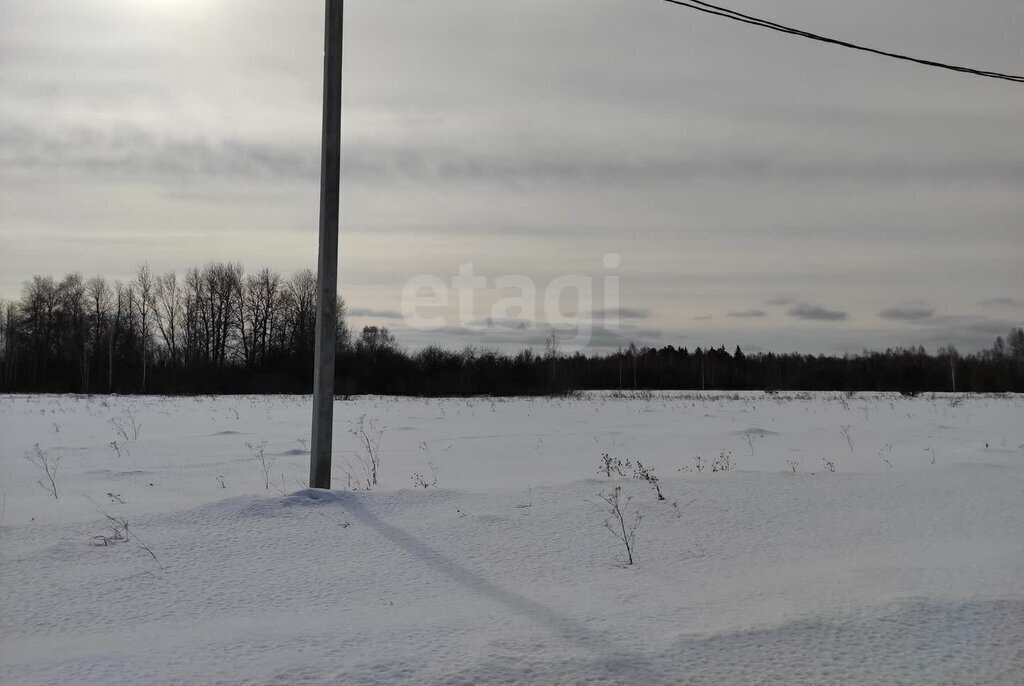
x: 327, y: 265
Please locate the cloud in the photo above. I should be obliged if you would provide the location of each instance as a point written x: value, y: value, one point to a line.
x: 973, y: 323
x: 964, y: 331
x: 122, y: 151
x: 622, y: 313
x: 514, y: 338
x: 142, y: 147
x: 907, y: 313
x: 369, y: 312
x: 501, y: 323
x: 129, y: 152
x: 1000, y: 302
x: 604, y: 338
x: 816, y: 313
x: 747, y: 313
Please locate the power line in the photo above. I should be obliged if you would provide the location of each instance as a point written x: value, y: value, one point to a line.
x: 716, y: 10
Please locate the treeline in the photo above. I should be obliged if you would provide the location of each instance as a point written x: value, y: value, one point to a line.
x: 218, y: 329
x: 213, y: 328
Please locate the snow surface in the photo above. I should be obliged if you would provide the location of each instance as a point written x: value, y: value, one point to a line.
x: 904, y: 566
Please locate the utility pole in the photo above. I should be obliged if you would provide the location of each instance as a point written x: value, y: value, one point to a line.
x: 327, y: 264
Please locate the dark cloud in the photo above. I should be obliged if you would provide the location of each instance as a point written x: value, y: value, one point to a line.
x: 816, y: 313
x: 369, y: 312
x: 747, y: 313
x: 907, y: 313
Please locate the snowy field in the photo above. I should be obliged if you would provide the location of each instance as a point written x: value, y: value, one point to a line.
x: 904, y: 565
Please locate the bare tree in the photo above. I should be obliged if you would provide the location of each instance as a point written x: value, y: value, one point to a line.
x: 168, y: 302
x: 374, y: 340
x: 1015, y: 343
x: 144, y: 294
x: 8, y: 345
x: 76, y: 329
x: 122, y: 304
x: 259, y: 300
x: 302, y: 288
x: 222, y: 290
x: 99, y: 295
x: 952, y: 355
x: 342, y: 334
x: 40, y: 303
x: 195, y: 310
x: 633, y: 351
x: 551, y: 351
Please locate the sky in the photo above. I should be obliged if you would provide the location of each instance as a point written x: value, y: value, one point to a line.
x: 710, y: 182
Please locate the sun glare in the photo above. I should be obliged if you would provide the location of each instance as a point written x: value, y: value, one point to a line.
x: 172, y: 6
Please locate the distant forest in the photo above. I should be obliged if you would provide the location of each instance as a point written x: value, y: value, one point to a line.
x: 220, y: 330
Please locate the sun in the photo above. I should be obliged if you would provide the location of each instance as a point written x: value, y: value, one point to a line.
x: 173, y: 6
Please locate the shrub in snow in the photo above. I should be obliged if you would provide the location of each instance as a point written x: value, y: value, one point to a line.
x: 47, y: 464
x: 622, y: 524
x: 698, y: 465
x: 722, y: 463
x: 610, y: 465
x: 647, y: 474
x: 845, y: 431
x: 126, y: 426
x: 258, y: 451
x: 421, y: 481
x: 367, y: 455
x: 117, y: 531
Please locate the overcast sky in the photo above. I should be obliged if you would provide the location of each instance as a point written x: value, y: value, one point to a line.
x: 759, y: 189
